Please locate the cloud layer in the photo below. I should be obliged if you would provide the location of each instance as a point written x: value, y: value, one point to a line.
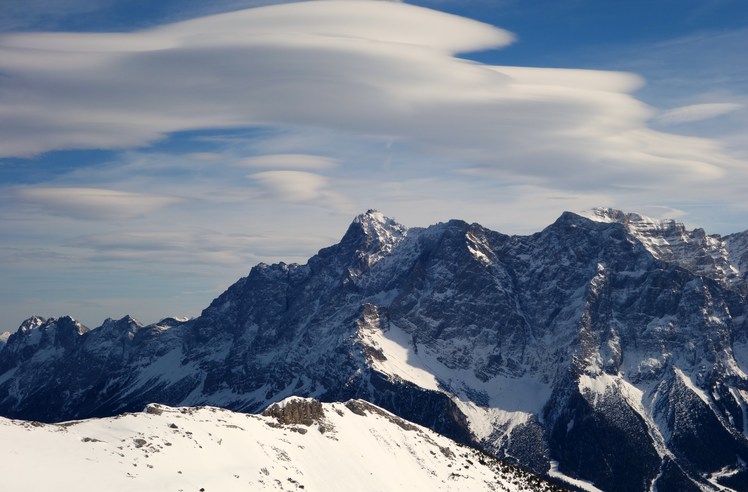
x: 93, y: 203
x: 370, y: 68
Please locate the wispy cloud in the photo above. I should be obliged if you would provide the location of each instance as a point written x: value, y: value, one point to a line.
x: 696, y: 112
x: 93, y: 203
x: 289, y: 161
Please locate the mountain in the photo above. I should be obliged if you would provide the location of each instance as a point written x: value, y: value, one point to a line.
x: 297, y: 444
x: 610, y: 350
x: 4, y: 338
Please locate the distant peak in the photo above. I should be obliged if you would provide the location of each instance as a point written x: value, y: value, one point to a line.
x: 130, y: 320
x: 633, y: 221
x: 371, y: 215
x: 374, y: 235
x: 607, y: 214
x: 32, y: 323
x: 376, y: 226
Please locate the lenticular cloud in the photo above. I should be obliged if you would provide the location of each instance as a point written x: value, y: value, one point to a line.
x: 362, y: 67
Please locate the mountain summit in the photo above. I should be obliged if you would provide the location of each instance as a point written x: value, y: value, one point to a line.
x: 610, y: 352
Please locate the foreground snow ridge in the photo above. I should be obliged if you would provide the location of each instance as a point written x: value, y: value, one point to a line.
x: 297, y: 444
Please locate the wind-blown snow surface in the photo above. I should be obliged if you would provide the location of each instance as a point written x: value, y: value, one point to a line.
x: 337, y: 447
x: 612, y: 351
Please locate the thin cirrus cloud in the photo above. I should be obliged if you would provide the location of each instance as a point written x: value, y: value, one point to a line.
x: 696, y: 112
x: 93, y: 203
x: 381, y: 69
x: 289, y: 162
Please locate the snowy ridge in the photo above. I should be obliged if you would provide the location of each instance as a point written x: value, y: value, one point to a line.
x: 668, y: 240
x: 353, y: 446
x: 383, y: 232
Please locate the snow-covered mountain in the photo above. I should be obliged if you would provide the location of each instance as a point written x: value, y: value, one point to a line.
x: 613, y: 351
x: 297, y: 444
x: 723, y: 259
x: 4, y: 338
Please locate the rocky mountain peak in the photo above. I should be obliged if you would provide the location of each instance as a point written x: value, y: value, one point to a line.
x: 668, y: 240
x: 126, y: 322
x: 30, y: 324
x: 370, y: 237
x: 111, y: 328
x: 635, y: 222
x: 296, y: 410
x: 4, y: 338
x: 376, y: 226
x: 36, y: 333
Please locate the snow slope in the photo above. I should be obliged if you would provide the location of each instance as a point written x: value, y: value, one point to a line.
x: 318, y: 447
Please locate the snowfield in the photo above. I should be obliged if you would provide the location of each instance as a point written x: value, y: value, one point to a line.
x: 345, y: 447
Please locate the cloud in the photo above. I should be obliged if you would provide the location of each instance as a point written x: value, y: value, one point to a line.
x: 185, y: 246
x: 93, y: 203
x: 289, y: 161
x: 293, y: 186
x: 39, y: 14
x: 379, y: 69
x: 696, y: 112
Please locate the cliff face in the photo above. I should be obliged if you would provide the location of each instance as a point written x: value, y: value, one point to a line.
x: 612, y: 350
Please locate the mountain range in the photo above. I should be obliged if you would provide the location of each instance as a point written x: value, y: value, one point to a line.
x: 609, y: 350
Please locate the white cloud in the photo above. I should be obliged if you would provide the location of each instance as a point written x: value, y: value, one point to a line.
x: 293, y: 186
x: 696, y: 112
x: 93, y: 203
x: 289, y: 161
x: 379, y: 69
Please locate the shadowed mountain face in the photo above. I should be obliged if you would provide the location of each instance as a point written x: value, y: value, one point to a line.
x: 611, y: 350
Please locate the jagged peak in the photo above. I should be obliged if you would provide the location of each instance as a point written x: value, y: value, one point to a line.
x: 36, y: 322
x: 373, y: 235
x: 125, y: 319
x: 32, y: 323
x: 130, y: 320
x: 67, y: 322
x: 126, y: 323
x: 632, y: 220
x: 369, y: 215
x: 670, y: 240
x: 36, y: 329
x: 376, y: 224
x: 174, y: 319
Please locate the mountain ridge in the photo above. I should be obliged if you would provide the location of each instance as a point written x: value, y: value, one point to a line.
x: 296, y: 444
x: 537, y: 348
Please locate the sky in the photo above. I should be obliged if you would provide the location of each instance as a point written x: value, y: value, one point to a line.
x: 151, y: 153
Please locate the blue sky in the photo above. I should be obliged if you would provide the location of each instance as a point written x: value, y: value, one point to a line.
x: 151, y: 153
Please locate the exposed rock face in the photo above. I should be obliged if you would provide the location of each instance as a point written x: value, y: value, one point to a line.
x: 612, y: 350
x: 303, y: 411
